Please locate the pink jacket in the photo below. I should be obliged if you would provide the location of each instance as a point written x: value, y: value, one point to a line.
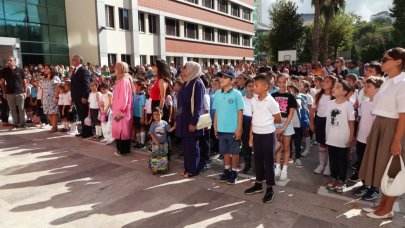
x: 122, y: 103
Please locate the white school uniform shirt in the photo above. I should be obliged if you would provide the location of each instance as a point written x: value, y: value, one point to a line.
x: 94, y: 98
x: 61, y: 98
x: 148, y: 105
x: 390, y: 99
x: 207, y: 106
x: 322, y: 105
x: 247, y: 111
x: 295, y: 120
x: 366, y: 120
x: 337, y: 123
x: 354, y: 96
x: 309, y: 100
x: 262, y: 116
x: 67, y: 100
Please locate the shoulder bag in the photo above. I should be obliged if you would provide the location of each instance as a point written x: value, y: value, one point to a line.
x: 205, y: 119
x: 393, y: 186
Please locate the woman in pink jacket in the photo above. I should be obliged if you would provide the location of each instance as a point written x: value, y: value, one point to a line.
x: 122, y: 109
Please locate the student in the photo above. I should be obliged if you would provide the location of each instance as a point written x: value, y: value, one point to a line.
x: 106, y: 113
x: 373, y: 69
x: 247, y: 120
x: 265, y: 113
x: 339, y: 134
x: 371, y: 88
x: 318, y: 122
x: 61, y: 103
x: 158, y: 131
x: 67, y: 107
x: 228, y: 105
x: 138, y: 101
x: 214, y: 144
x: 305, y: 90
x: 287, y: 104
x: 70, y: 110
x: 94, y: 99
x: 27, y: 101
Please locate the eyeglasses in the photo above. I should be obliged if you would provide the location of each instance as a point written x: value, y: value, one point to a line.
x: 385, y: 59
x: 10, y: 60
x: 337, y: 61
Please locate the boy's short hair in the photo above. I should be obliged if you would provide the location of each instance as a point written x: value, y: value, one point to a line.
x: 352, y: 77
x: 293, y: 86
x: 249, y: 80
x: 346, y: 86
x: 375, y: 81
x: 157, y: 109
x: 262, y: 77
x: 377, y: 68
x: 294, y: 77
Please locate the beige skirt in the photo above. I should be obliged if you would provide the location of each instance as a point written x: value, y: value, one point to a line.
x: 377, y: 152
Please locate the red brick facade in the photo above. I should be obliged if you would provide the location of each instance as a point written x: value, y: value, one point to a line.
x: 181, y: 46
x: 186, y: 10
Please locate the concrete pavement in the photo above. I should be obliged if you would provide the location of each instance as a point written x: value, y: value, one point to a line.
x: 49, y: 180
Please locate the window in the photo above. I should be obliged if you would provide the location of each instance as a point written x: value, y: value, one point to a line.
x: 235, y: 38
x: 208, y: 3
x: 246, y: 14
x: 126, y: 58
x: 208, y: 33
x: 153, y: 59
x: 143, y: 59
x: 152, y: 23
x: 141, y: 22
x: 191, y: 30
x: 193, y: 1
x: 124, y: 18
x: 112, y: 59
x: 235, y: 10
x: 246, y: 40
x: 222, y: 6
x: 222, y: 36
x: 172, y: 27
x: 109, y: 16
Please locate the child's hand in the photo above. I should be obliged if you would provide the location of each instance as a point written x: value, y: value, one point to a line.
x: 156, y: 142
x: 349, y: 142
x: 251, y: 141
x: 237, y: 135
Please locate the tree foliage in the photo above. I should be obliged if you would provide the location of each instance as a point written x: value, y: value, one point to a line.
x: 398, y: 12
x: 340, y: 33
x: 286, y: 27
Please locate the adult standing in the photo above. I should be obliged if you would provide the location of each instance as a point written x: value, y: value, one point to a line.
x: 14, y: 90
x: 340, y: 68
x: 80, y: 93
x: 186, y: 121
x: 122, y: 109
x: 158, y: 92
x: 387, y: 135
x: 50, y: 96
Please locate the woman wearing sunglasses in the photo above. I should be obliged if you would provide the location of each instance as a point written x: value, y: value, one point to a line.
x: 387, y: 135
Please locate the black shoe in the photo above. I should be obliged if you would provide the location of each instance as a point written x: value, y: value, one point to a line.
x: 360, y: 191
x: 372, y: 194
x: 86, y: 136
x: 246, y: 169
x: 257, y: 188
x: 269, y: 196
x: 355, y: 177
x: 224, y: 177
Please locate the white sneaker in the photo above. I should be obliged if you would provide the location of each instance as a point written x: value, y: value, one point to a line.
x: 326, y: 172
x: 277, y: 172
x: 319, y: 169
x: 103, y: 140
x: 305, y: 153
x: 109, y: 142
x: 283, y: 175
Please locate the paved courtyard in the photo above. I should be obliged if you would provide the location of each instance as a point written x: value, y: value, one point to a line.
x: 49, y: 180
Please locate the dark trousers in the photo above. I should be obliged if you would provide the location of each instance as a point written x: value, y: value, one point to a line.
x: 360, y: 149
x: 338, y: 162
x: 246, y: 151
x: 83, y: 112
x: 191, y: 154
x: 263, y: 146
x: 297, y: 139
x: 123, y: 146
x: 40, y: 110
x: 204, y: 145
x: 214, y: 143
x: 5, y: 110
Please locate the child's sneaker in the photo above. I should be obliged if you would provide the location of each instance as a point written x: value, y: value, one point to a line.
x: 283, y: 175
x: 233, y: 178
x: 224, y: 177
x: 257, y: 188
x: 360, y: 191
x: 340, y: 186
x: 372, y: 194
x: 319, y: 169
x: 269, y: 196
x: 298, y: 163
x: 330, y: 185
x: 354, y: 177
x: 277, y: 172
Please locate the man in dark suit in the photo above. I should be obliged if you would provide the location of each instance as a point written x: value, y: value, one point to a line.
x: 80, y: 93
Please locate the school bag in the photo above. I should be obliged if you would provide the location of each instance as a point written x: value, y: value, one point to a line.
x: 159, y: 162
x: 303, y: 113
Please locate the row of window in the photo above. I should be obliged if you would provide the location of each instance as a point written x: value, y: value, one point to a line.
x: 112, y: 59
x: 191, y: 31
x: 123, y: 17
x: 222, y: 6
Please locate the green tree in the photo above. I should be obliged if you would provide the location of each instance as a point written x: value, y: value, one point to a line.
x: 305, y: 54
x: 340, y: 33
x: 286, y: 27
x: 398, y: 12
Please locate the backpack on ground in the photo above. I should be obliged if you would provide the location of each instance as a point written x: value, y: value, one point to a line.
x: 159, y: 162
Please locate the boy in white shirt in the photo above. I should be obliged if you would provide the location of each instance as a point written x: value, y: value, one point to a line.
x: 247, y: 121
x: 265, y: 113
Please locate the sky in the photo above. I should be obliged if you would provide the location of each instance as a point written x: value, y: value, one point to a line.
x: 364, y: 8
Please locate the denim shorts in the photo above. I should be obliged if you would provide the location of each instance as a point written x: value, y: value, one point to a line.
x: 289, y: 130
x: 227, y: 144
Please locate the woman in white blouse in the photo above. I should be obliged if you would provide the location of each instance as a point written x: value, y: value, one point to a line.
x: 387, y: 135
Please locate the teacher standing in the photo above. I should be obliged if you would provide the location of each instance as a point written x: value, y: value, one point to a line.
x: 122, y: 109
x: 186, y: 121
x: 80, y: 93
x: 158, y: 92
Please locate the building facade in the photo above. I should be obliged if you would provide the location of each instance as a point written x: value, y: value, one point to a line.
x: 34, y: 31
x: 140, y: 31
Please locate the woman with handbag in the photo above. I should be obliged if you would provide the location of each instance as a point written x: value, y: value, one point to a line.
x: 190, y: 106
x: 122, y: 109
x: 387, y: 135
